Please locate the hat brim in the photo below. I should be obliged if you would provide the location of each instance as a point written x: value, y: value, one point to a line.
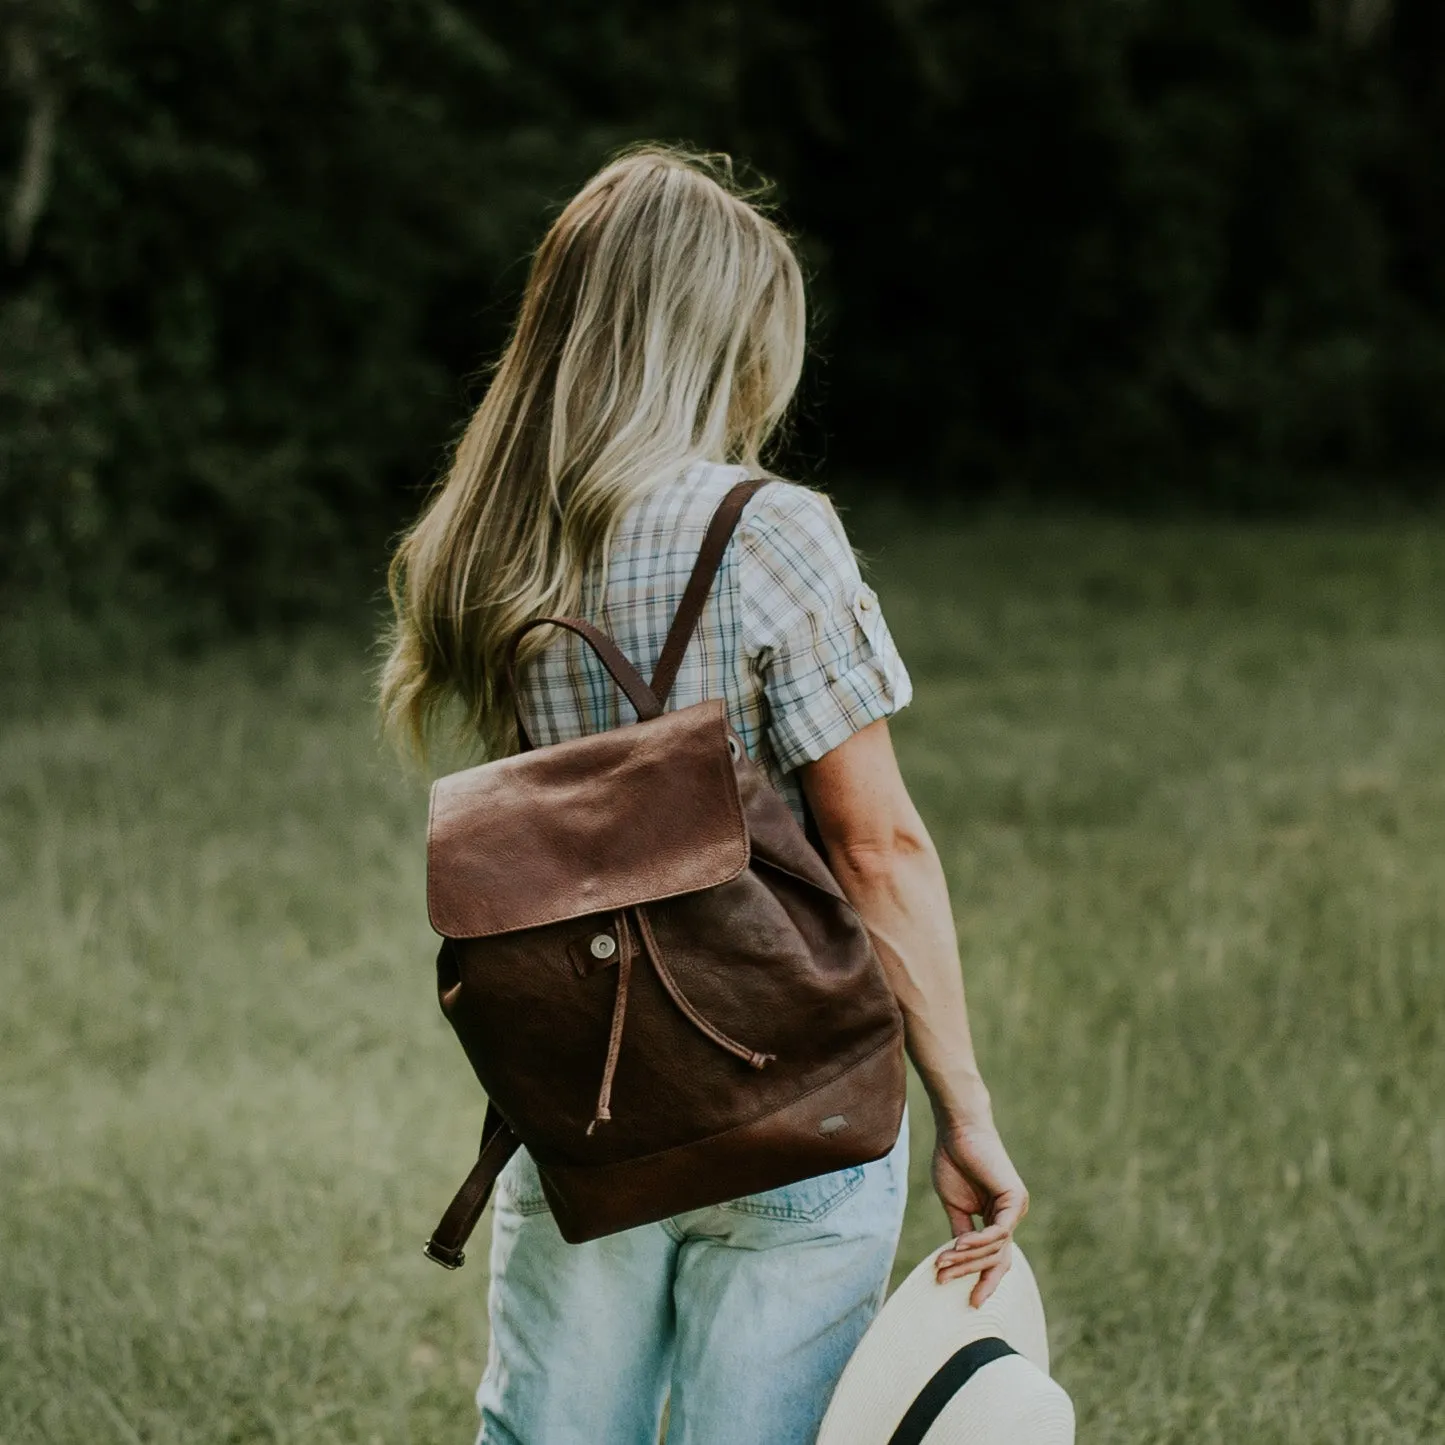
x: 922, y: 1325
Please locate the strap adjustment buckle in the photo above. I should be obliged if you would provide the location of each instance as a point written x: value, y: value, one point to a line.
x: 444, y: 1255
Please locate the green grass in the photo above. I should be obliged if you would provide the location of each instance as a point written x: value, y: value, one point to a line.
x: 1189, y: 786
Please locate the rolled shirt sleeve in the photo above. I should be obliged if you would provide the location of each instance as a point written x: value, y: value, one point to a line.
x: 814, y: 630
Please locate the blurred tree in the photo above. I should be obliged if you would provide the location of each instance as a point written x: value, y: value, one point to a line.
x: 1132, y: 252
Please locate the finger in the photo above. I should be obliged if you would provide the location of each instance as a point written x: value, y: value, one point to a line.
x: 960, y: 1221
x: 973, y: 1238
x: 990, y: 1279
x: 969, y: 1246
x: 979, y: 1265
x: 974, y: 1266
x: 974, y: 1260
x: 965, y: 1267
x: 1011, y: 1213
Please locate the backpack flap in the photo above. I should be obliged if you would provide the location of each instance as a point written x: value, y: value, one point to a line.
x: 637, y: 813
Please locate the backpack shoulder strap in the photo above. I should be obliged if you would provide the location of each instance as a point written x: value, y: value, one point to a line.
x: 455, y: 1228
x: 648, y: 701
x: 699, y: 584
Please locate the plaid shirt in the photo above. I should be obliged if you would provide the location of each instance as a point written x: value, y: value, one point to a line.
x: 791, y: 637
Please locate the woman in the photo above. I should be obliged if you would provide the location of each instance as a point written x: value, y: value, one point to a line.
x: 658, y: 346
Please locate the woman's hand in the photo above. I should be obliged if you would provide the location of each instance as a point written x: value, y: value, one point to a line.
x: 974, y: 1175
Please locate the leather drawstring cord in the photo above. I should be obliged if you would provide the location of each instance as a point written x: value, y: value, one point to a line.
x: 619, y: 1013
x: 752, y: 1057
x: 747, y: 1055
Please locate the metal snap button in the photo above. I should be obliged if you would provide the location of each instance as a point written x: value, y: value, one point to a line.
x: 603, y: 945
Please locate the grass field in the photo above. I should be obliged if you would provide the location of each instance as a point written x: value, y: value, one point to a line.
x: 1189, y: 786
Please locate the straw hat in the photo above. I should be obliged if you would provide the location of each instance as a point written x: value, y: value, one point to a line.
x: 934, y: 1369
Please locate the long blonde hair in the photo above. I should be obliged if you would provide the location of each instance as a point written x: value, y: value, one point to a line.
x: 662, y: 324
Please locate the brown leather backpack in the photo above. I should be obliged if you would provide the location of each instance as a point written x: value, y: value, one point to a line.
x: 659, y: 983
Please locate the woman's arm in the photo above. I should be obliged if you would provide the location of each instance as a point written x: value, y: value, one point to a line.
x: 882, y: 856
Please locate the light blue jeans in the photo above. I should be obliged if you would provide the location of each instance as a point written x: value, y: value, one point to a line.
x: 744, y: 1314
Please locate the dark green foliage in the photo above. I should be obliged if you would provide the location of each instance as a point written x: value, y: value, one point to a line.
x: 1133, y: 253
x: 1123, y: 249
x: 261, y: 220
